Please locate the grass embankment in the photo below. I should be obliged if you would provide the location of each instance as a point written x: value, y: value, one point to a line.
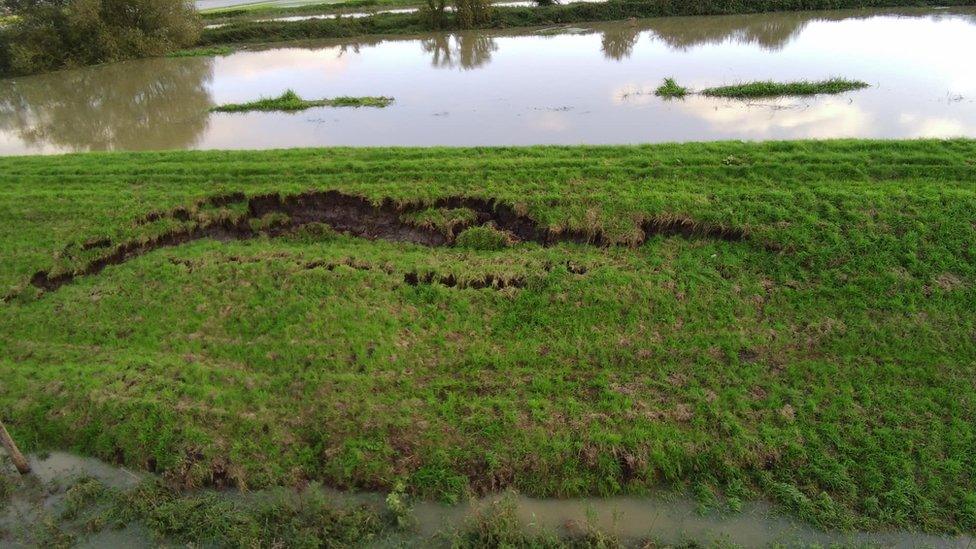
x: 796, y: 323
x: 271, y: 31
x: 292, y: 102
x: 753, y: 90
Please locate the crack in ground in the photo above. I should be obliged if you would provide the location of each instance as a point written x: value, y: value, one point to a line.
x: 357, y: 216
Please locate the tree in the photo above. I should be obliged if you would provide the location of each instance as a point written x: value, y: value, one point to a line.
x: 56, y: 34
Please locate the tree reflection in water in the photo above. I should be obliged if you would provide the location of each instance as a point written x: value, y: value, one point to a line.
x: 769, y: 31
x: 464, y: 50
x: 618, y: 43
x: 140, y: 105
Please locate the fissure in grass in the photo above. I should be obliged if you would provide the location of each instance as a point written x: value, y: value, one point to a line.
x: 490, y: 226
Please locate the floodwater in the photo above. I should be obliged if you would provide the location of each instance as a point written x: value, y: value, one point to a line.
x: 568, y: 85
x: 666, y: 519
x: 361, y: 14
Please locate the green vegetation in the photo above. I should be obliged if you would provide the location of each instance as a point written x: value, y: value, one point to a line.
x: 56, y: 34
x: 292, y: 102
x: 753, y: 90
x: 213, y: 51
x: 271, y: 9
x: 433, y: 16
x: 484, y: 238
x: 671, y: 90
x: 281, y: 518
x: 445, y: 220
x: 794, y: 323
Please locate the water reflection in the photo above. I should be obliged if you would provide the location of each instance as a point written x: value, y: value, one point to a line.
x: 618, y: 43
x: 770, y: 31
x: 590, y: 84
x: 150, y: 104
x: 465, y: 50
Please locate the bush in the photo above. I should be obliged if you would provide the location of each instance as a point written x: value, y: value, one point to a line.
x: 434, y: 13
x: 470, y: 14
x: 55, y: 34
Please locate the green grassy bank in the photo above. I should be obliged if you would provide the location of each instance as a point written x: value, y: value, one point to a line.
x: 790, y: 321
x: 271, y: 31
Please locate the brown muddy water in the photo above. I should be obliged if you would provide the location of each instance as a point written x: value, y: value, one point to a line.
x: 667, y: 519
x: 589, y: 84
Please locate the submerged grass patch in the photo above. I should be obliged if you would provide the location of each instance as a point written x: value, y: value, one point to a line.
x: 671, y: 90
x: 751, y: 90
x: 292, y: 102
x: 818, y: 352
x: 277, y: 518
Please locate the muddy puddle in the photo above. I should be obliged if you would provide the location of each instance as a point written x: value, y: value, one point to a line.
x: 590, y: 84
x: 667, y: 518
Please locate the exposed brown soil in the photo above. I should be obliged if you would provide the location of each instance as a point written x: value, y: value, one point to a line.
x: 357, y: 216
x: 491, y: 281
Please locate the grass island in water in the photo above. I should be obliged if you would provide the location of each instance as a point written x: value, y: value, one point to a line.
x: 292, y: 102
x: 755, y: 90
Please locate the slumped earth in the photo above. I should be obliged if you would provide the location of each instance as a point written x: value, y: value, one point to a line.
x: 592, y: 84
x: 785, y: 321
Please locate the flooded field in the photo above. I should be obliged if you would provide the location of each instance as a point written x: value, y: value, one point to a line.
x: 592, y: 84
x: 668, y: 518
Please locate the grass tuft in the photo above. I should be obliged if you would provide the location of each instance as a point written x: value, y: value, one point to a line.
x: 292, y: 102
x: 752, y: 90
x: 671, y: 90
x: 484, y: 238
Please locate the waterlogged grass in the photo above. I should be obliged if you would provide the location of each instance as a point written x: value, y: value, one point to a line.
x: 753, y: 90
x: 825, y: 361
x: 213, y: 51
x: 292, y: 102
x: 309, y: 517
x: 671, y: 90
x: 277, y: 519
